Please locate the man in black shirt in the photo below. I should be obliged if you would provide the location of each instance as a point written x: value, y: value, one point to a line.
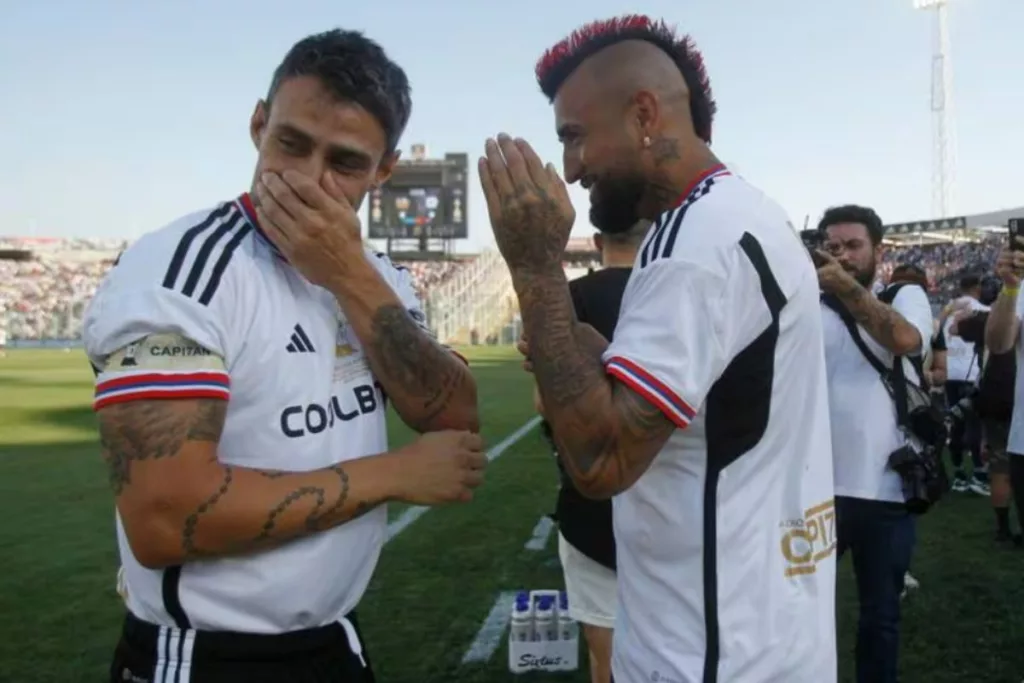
x: 586, y: 543
x: 993, y: 403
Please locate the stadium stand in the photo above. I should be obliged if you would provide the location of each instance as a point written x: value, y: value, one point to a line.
x: 46, y: 283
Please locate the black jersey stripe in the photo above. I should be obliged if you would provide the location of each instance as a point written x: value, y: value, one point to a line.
x: 199, y: 265
x: 673, y: 232
x: 222, y: 264
x: 181, y: 252
x: 652, y: 234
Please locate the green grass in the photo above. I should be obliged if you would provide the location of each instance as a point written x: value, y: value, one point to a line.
x: 59, y: 615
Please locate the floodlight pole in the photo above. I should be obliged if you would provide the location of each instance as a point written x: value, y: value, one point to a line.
x: 943, y: 145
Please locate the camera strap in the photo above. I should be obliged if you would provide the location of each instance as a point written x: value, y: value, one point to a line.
x: 893, y: 379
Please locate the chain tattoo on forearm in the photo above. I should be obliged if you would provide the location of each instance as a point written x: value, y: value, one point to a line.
x: 146, y: 430
x: 412, y: 366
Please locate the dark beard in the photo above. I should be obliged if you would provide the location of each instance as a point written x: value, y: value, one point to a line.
x: 615, y: 204
x: 866, y: 278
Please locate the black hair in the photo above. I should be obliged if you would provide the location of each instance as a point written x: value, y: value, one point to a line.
x: 559, y: 62
x: 852, y: 213
x: 969, y: 281
x: 353, y: 68
x: 910, y: 272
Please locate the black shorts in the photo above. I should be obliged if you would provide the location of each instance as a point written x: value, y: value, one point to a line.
x: 148, y: 653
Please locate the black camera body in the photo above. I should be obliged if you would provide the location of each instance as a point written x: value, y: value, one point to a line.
x: 924, y: 478
x: 964, y: 406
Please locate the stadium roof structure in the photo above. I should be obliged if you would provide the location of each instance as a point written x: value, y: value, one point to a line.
x: 946, y: 229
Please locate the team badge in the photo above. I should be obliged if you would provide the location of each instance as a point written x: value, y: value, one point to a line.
x: 349, y: 363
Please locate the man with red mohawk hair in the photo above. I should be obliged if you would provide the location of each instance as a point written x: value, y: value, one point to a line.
x: 707, y: 416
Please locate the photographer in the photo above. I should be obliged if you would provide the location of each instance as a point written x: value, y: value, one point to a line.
x: 1002, y: 335
x: 874, y: 522
x: 993, y: 404
x: 963, y: 365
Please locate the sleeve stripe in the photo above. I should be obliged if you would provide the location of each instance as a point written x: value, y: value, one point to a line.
x: 228, y: 219
x: 165, y: 385
x: 203, y: 255
x: 652, y: 389
x: 181, y: 252
x: 138, y: 395
x: 222, y: 265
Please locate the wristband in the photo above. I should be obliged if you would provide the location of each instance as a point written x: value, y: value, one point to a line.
x: 1011, y: 291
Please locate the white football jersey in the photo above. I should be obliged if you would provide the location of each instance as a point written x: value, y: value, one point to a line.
x: 205, y: 307
x: 962, y: 361
x: 726, y: 545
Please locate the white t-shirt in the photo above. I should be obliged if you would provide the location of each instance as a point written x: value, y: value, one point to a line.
x: 863, y: 415
x: 1015, y: 443
x: 961, y: 360
x: 726, y: 544
x: 301, y: 397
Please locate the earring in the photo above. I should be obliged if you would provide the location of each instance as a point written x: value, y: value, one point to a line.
x: 647, y: 141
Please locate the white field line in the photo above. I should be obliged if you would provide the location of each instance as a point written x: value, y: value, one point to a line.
x: 413, y: 513
x: 491, y: 632
x: 541, y: 532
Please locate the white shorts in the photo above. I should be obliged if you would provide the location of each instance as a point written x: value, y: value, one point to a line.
x: 590, y: 586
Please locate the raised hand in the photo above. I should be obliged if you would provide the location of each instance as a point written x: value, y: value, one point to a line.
x: 314, y: 227
x: 528, y: 203
x: 441, y: 467
x: 1010, y: 264
x: 832, y: 277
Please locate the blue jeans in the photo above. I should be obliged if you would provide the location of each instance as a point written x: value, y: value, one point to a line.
x: 881, y: 538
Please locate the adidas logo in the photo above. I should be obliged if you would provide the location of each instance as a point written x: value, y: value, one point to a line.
x: 300, y: 342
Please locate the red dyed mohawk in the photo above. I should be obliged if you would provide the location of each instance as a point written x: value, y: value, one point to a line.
x: 560, y: 61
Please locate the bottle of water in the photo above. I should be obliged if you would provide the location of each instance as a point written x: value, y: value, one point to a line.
x: 522, y: 619
x: 568, y: 629
x: 545, y: 622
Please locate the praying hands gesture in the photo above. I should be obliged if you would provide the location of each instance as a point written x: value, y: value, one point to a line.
x: 528, y: 203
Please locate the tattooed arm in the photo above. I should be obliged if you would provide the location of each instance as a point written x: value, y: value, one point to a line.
x: 178, y: 502
x: 884, y: 323
x: 607, y: 435
x: 428, y: 385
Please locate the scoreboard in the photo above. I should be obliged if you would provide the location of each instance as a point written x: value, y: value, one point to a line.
x: 424, y: 198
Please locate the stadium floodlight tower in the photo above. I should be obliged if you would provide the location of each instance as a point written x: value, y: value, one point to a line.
x: 943, y: 147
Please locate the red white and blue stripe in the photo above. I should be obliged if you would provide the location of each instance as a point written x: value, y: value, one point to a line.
x: 148, y: 386
x: 652, y: 389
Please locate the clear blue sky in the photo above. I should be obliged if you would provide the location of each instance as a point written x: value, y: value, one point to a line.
x: 118, y: 116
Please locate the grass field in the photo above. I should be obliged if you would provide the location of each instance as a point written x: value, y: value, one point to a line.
x: 438, y: 579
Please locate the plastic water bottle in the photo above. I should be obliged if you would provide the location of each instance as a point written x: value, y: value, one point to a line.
x: 544, y: 619
x: 568, y: 629
x: 522, y: 619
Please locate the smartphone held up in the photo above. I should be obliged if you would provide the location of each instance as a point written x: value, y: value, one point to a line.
x: 1015, y: 230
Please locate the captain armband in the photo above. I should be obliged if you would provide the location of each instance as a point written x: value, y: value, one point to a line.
x: 161, y: 366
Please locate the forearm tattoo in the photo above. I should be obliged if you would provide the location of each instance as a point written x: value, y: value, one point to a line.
x: 144, y: 430
x: 421, y: 378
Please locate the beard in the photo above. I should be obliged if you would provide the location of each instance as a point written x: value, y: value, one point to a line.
x: 615, y: 202
x: 865, y: 276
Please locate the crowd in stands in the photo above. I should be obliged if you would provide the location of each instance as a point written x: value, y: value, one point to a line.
x: 945, y: 262
x: 44, y: 297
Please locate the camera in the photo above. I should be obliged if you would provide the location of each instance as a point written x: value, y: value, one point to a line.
x: 991, y: 285
x: 923, y: 476
x: 960, y: 409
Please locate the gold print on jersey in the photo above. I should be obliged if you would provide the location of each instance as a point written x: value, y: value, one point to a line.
x: 163, y: 352
x: 806, y: 542
x: 349, y: 362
